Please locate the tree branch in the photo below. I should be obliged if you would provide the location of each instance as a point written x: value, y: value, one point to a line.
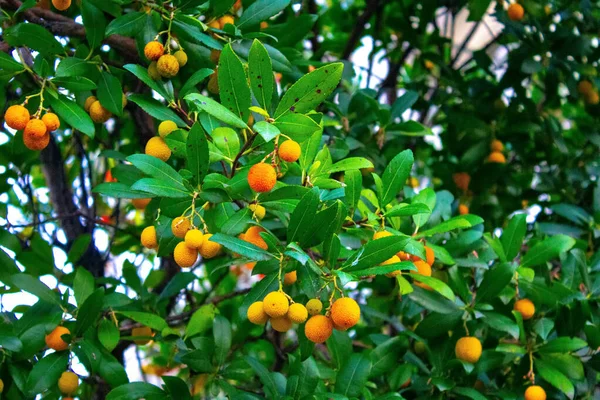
x: 359, y: 28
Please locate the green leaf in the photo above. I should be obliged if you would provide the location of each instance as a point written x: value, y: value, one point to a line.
x: 151, y: 320
x: 190, y: 29
x: 563, y: 345
x: 201, y: 321
x: 403, y: 103
x: 177, y: 388
x: 72, y: 66
x: 46, y: 373
x: 501, y: 323
x: 233, y: 84
x: 36, y: 287
x: 71, y: 113
x: 197, y: 152
x: 215, y: 109
x: 119, y: 190
x: 405, y: 210
x: 385, y: 356
x: 94, y: 22
x: 438, y: 324
x: 33, y: 36
x: 353, y: 375
x: 298, y: 127
x: 136, y: 391
x: 433, y: 301
x: 350, y: 163
x: 157, y: 169
x: 426, y: 196
x: 395, y: 175
x: 227, y: 141
x: 75, y: 83
x: 89, y: 311
x: 494, y: 281
x: 270, y: 387
x: 242, y: 247
x: 459, y: 222
x: 555, y: 378
x: 83, y: 285
x: 7, y: 63
x: 512, y: 237
x: 546, y: 250
x: 310, y: 90
x: 477, y: 9
x: 195, y: 79
x: 129, y: 24
x: 266, y: 130
x: 110, y: 93
x: 303, y: 215
x: 384, y: 269
x: 353, y: 181
x: 157, y: 187
x: 108, y: 334
x: 436, y: 285
x: 375, y: 252
x: 222, y: 337
x: 156, y: 109
x: 142, y: 74
x: 260, y: 70
x: 261, y: 10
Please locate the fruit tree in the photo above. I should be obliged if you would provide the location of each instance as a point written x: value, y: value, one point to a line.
x: 276, y: 199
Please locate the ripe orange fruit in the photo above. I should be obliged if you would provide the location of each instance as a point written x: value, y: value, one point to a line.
x: 17, y: 117
x: 215, y: 55
x: 262, y: 177
x: 516, y: 12
x: 585, y: 87
x: 167, y: 66
x: 290, y: 278
x: 166, y: 127
x: 256, y: 313
x: 345, y: 313
x: 252, y: 235
x: 140, y: 204
x: 98, y: 113
x: 393, y: 260
x: 463, y: 209
x: 468, y: 349
x: 213, y: 83
x: 185, y: 256
x: 226, y: 19
x: 88, y: 103
x: 282, y: 324
x: 153, y: 50
x: 148, y: 237
x: 496, y: 145
x: 497, y: 157
x: 51, y: 121
x: 535, y: 393
x: 525, y: 307
x: 35, y: 128
x: 194, y: 239
x: 289, y: 151
x: 318, y: 328
x: 462, y: 180
x: 68, y: 383
x: 54, y: 339
x: 429, y: 256
x: 158, y: 148
x: 381, y: 234
x: 209, y: 248
x: 61, y: 5
x: 180, y: 226
x: 276, y: 304
x: 36, y: 143
x: 297, y: 313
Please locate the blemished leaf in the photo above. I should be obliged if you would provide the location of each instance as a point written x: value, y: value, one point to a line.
x: 108, y: 334
x: 555, y: 378
x: 298, y: 127
x: 156, y: 109
x: 142, y: 74
x: 129, y: 24
x: 459, y: 222
x: 260, y: 70
x: 197, y: 152
x: 46, y: 372
x: 242, y: 247
x: 74, y: 115
x: 353, y: 181
x: 512, y: 237
x: 233, y: 84
x: 546, y: 250
x: 351, y: 163
x: 95, y: 24
x: 215, y: 109
x: 259, y: 11
x: 151, y: 320
x: 110, y: 93
x: 33, y: 36
x: 137, y: 390
x: 310, y: 90
x: 353, y: 375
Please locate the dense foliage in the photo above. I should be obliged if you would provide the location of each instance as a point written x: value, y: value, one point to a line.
x: 229, y: 189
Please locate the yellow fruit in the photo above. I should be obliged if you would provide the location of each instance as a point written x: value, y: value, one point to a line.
x: 276, y: 304
x: 314, y: 306
x: 264, y: 25
x: 496, y: 145
x: 290, y: 278
x: 36, y: 143
x: 88, y: 103
x: 148, y: 238
x: 258, y: 210
x: 61, y: 5
x: 215, y: 55
x: 214, y: 24
x: 140, y: 204
x: 213, y: 83
x: 17, y: 117
x: 525, y: 307
x: 35, y: 128
x: 54, y: 339
x: 468, y: 349
x: 497, y: 157
x: 158, y: 148
x: 51, y: 121
x: 252, y: 235
x: 262, y: 177
x: 535, y: 393
x: 194, y: 239
x: 381, y: 234
x: 209, y: 248
x: 282, y: 324
x: 153, y: 50
x: 68, y: 383
x: 98, y: 113
x: 153, y: 71
x: 393, y: 260
x: 181, y: 58
x: 167, y: 66
x: 166, y: 127
x: 185, y: 256
x: 256, y: 313
x: 297, y: 313
x: 318, y: 328
x: 143, y: 332
x: 345, y: 313
x: 226, y: 19
x: 180, y: 226
x: 463, y: 209
x: 462, y: 180
x: 429, y: 64
x: 516, y: 12
x: 585, y: 87
x: 289, y: 151
x: 429, y: 256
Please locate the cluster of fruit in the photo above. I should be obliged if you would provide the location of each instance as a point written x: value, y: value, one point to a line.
x: 278, y: 308
x: 97, y: 112
x: 161, y: 64
x: 262, y: 176
x: 194, y: 242
x: 156, y: 146
x: 496, y: 155
x: 588, y: 92
x: 36, y: 131
x: 423, y: 266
